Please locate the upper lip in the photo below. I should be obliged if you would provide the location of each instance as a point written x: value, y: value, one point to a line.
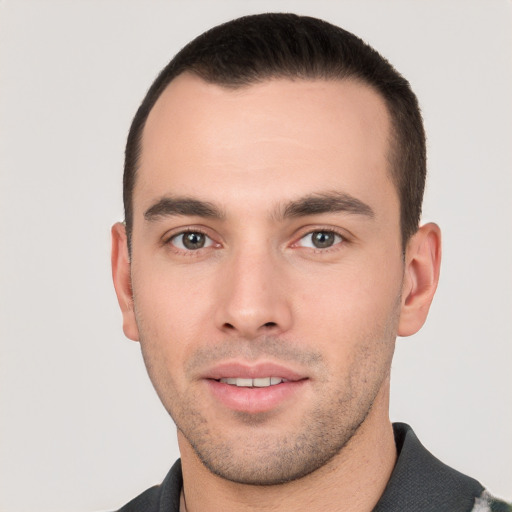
x: 251, y: 371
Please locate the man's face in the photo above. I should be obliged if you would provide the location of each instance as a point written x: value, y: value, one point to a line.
x: 267, y: 269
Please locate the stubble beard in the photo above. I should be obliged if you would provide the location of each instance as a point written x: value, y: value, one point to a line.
x: 253, y: 454
x: 270, y: 459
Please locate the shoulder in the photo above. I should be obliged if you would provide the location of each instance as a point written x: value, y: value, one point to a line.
x: 145, y: 502
x: 421, y: 482
x: 160, y: 498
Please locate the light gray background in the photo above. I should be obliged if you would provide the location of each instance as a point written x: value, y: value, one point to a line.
x: 80, y: 426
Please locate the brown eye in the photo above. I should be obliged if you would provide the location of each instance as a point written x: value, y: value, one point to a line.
x: 320, y: 239
x: 191, y: 241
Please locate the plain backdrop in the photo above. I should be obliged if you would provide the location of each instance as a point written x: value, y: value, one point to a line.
x: 81, y: 428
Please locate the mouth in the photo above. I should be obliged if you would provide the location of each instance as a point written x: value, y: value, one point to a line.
x: 260, y: 382
x: 254, y: 388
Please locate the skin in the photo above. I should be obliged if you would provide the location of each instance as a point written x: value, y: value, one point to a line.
x: 260, y: 292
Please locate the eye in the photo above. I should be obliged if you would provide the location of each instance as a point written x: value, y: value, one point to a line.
x: 320, y: 239
x: 191, y: 241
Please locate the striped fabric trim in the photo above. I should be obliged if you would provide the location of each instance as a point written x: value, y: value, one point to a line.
x: 488, y: 503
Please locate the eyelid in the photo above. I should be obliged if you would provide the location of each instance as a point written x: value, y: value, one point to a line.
x: 309, y: 230
x: 208, y: 242
x: 168, y: 237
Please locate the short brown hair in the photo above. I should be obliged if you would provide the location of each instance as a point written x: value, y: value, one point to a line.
x: 260, y: 47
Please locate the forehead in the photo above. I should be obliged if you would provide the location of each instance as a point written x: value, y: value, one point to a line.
x: 278, y: 138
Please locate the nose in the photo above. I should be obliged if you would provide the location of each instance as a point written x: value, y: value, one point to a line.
x: 254, y: 298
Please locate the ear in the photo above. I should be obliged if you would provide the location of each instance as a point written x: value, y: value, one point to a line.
x: 422, y: 263
x: 122, y: 280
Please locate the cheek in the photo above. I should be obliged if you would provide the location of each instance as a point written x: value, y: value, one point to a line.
x: 170, y: 294
x: 351, y: 289
x: 166, y: 324
x: 170, y: 309
x: 348, y: 305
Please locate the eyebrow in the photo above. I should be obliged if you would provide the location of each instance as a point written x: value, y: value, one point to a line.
x: 328, y: 202
x: 182, y: 206
x: 312, y: 204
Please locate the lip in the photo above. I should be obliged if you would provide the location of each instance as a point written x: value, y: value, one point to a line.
x: 253, y: 400
x: 255, y: 371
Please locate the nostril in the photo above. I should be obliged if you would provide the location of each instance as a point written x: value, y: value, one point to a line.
x: 268, y: 326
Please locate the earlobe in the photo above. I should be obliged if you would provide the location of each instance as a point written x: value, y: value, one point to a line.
x: 422, y: 265
x: 122, y: 280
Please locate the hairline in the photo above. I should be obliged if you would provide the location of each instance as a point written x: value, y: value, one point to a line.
x: 392, y: 137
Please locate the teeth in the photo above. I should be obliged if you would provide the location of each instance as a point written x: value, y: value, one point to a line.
x: 261, y: 382
x: 244, y: 383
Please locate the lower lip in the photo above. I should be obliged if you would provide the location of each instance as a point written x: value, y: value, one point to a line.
x: 254, y: 400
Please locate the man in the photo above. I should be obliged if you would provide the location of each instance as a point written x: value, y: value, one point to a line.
x: 270, y: 255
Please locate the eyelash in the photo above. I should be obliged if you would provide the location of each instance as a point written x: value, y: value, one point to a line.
x: 317, y: 250
x: 190, y: 252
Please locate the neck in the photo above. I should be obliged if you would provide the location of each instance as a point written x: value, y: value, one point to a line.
x: 356, y: 477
